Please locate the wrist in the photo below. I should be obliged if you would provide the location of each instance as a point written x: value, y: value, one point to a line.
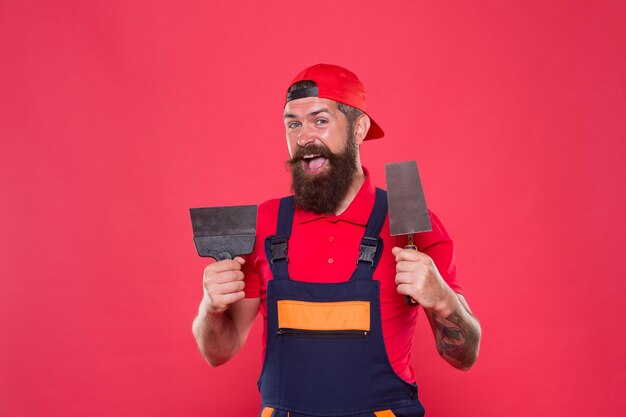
x: 207, y: 310
x: 447, y: 304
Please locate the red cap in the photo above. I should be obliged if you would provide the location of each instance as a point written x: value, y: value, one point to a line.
x: 337, y: 84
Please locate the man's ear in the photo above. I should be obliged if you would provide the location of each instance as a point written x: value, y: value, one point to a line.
x: 361, y: 127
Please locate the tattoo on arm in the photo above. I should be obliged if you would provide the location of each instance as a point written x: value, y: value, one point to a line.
x: 457, y: 340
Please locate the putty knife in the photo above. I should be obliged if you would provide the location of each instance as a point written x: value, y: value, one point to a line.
x: 224, y: 232
x: 407, y: 205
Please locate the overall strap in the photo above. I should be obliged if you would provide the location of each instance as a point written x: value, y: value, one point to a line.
x: 276, y: 245
x: 371, y: 247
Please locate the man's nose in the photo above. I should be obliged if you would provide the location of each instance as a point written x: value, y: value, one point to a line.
x: 305, y: 137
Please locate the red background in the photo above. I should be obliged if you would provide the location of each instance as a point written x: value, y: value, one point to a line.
x: 117, y: 116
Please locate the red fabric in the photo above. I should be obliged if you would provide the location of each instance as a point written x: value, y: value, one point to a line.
x: 324, y: 248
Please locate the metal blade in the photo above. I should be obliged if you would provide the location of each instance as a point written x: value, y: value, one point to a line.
x: 407, y: 205
x: 224, y: 232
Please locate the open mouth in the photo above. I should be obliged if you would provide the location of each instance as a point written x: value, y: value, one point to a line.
x: 313, y: 163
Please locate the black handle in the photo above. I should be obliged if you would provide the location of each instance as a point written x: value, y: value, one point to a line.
x: 410, y: 301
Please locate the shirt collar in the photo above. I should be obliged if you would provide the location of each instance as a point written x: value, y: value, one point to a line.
x: 358, y: 211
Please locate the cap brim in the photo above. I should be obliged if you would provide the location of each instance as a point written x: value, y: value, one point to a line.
x: 375, y: 131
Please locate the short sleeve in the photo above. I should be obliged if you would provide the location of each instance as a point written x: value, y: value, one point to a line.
x: 252, y: 279
x: 439, y: 246
x: 256, y: 270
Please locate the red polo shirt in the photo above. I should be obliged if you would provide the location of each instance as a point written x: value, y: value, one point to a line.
x: 324, y: 248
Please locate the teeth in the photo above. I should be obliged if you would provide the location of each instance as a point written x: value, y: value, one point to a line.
x: 309, y: 156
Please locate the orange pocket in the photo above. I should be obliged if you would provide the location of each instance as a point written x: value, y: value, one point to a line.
x: 329, y: 316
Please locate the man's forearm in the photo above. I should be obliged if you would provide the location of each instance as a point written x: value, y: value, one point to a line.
x: 216, y: 335
x: 457, y: 335
x: 458, y: 338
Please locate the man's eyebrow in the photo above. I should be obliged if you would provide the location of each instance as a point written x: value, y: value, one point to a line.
x: 313, y: 113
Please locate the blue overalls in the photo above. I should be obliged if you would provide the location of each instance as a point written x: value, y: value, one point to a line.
x: 325, y: 351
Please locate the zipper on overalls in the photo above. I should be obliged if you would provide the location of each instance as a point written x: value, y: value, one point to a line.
x: 330, y: 334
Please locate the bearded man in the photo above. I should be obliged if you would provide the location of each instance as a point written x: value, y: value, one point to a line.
x: 337, y: 330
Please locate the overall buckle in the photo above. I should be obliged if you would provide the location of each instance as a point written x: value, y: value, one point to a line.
x: 367, y: 250
x: 278, y: 249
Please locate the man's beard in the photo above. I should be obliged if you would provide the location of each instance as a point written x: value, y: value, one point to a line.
x: 322, y: 193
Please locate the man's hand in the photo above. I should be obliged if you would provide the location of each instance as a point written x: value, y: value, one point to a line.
x: 224, y: 316
x: 457, y: 332
x: 223, y: 285
x: 418, y: 277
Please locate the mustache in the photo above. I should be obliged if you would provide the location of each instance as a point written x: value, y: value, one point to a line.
x: 320, y: 150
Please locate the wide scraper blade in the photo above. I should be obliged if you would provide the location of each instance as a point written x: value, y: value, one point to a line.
x: 405, y: 195
x: 224, y: 232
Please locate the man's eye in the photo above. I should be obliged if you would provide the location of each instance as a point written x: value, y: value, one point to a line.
x: 293, y: 125
x: 320, y: 122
